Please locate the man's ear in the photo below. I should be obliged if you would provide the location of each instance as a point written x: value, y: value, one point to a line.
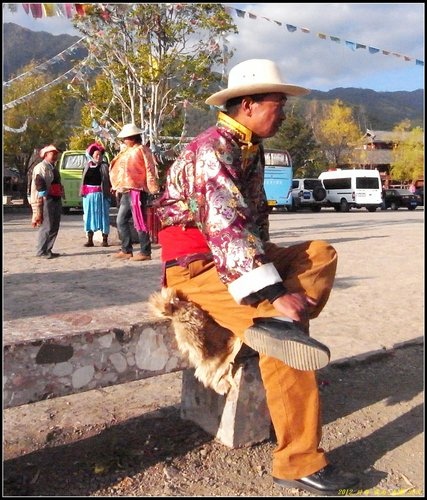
x: 246, y: 105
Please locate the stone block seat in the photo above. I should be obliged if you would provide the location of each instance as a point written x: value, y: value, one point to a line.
x: 69, y: 353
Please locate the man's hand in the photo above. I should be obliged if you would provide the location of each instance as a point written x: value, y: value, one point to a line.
x: 294, y: 306
x: 37, y: 220
x: 37, y: 208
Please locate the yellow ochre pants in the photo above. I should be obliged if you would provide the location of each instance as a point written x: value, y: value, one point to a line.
x: 292, y: 395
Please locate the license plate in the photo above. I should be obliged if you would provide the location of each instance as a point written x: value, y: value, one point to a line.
x: 271, y: 202
x: 413, y: 203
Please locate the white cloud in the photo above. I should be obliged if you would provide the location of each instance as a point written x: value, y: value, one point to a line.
x: 306, y: 59
x: 321, y: 64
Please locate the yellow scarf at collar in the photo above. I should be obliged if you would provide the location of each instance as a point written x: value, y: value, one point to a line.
x: 245, y: 136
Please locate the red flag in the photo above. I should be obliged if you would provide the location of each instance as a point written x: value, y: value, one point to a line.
x: 36, y: 10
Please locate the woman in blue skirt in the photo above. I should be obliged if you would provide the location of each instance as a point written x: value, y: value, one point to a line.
x: 96, y: 192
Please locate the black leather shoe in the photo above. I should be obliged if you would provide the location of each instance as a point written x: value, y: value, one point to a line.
x: 326, y: 481
x: 284, y: 340
x: 52, y: 255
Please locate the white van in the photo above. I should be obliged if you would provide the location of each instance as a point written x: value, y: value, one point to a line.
x: 355, y: 188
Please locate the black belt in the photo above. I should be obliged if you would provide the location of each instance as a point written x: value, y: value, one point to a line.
x: 184, y: 260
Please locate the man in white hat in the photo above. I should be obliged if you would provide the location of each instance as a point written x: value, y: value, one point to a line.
x: 217, y: 254
x: 133, y: 175
x: 46, y: 201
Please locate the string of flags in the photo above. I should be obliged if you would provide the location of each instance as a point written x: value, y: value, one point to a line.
x: 323, y: 36
x: 17, y: 130
x: 39, y: 10
x: 72, y: 72
x: 69, y: 10
x: 43, y: 66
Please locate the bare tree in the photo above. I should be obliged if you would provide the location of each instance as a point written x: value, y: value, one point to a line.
x: 157, y: 58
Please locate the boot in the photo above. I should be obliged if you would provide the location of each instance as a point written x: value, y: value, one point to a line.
x: 89, y: 242
x: 105, y: 240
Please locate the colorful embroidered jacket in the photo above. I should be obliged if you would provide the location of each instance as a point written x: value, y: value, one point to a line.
x: 217, y: 185
x: 134, y: 168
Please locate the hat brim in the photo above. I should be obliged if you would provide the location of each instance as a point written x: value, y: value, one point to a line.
x: 122, y: 135
x: 45, y: 151
x: 221, y: 97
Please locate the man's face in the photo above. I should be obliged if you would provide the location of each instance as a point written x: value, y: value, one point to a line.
x: 52, y: 156
x: 267, y: 114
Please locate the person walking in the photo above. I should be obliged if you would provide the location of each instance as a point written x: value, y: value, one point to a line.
x: 133, y: 176
x: 46, y: 201
x: 217, y: 253
x: 96, y: 192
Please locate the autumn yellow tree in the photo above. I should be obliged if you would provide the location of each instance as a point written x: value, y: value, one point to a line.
x: 337, y: 134
x: 408, y: 152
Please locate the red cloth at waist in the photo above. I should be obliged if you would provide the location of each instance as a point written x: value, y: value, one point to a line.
x: 177, y: 242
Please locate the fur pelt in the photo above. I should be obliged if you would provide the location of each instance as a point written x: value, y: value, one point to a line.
x: 209, y: 348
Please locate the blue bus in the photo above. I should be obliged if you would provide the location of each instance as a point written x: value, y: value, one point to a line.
x: 278, y: 179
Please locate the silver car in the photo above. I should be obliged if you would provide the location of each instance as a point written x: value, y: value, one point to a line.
x: 308, y: 193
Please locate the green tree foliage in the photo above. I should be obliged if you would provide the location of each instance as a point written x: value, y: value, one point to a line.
x: 296, y: 135
x: 337, y: 134
x: 48, y: 112
x: 408, y: 153
x: 158, y: 58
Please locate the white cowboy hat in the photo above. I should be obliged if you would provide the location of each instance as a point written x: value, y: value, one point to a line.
x: 129, y: 130
x: 254, y: 76
x: 48, y: 149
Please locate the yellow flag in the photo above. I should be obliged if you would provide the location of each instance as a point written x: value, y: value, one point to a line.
x: 49, y: 9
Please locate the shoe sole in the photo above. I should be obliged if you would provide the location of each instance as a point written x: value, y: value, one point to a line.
x: 306, y: 355
x: 122, y: 256
x: 295, y: 484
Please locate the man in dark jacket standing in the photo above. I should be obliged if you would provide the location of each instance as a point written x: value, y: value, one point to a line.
x: 46, y: 201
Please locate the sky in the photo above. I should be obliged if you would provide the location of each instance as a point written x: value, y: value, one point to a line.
x: 304, y: 57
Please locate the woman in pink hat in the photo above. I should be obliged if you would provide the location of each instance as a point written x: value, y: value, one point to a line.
x: 96, y: 192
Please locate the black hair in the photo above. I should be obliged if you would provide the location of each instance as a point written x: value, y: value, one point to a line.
x: 234, y: 102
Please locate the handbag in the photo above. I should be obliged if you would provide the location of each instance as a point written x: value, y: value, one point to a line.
x: 56, y: 190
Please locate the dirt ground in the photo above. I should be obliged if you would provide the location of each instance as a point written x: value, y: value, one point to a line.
x: 129, y: 440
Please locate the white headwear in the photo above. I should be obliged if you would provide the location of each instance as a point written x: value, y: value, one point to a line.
x: 254, y: 76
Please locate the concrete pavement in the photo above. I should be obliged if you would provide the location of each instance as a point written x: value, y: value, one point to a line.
x: 376, y: 304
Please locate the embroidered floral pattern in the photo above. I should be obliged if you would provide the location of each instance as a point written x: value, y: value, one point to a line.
x: 209, y: 187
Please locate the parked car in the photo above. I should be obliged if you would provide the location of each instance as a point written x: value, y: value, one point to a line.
x: 400, y: 198
x: 308, y: 193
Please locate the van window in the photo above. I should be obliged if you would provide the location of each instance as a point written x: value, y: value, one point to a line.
x: 367, y: 183
x: 340, y: 183
x: 73, y: 162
